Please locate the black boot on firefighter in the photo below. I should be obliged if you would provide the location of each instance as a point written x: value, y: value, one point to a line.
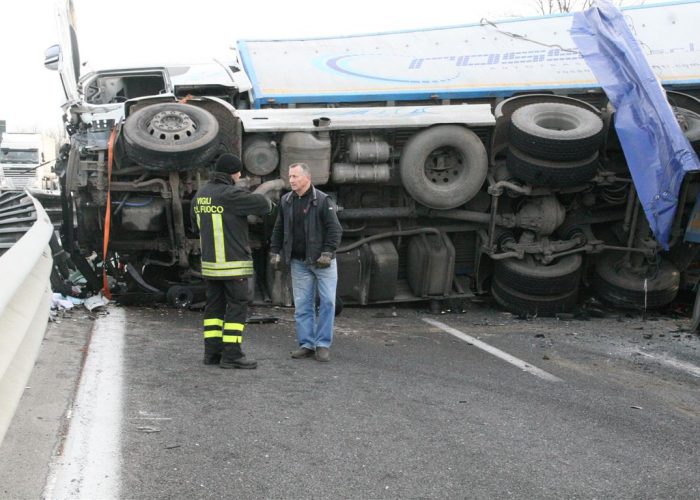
x: 233, y: 357
x: 213, y: 348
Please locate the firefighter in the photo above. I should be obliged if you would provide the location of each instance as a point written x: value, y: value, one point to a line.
x: 220, y: 211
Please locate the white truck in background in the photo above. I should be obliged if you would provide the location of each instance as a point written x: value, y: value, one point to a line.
x: 475, y: 158
x: 26, y: 160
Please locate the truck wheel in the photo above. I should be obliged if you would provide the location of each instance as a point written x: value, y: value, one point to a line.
x: 533, y: 305
x: 534, y: 278
x: 443, y: 167
x: 619, y: 286
x: 550, y: 173
x: 171, y: 136
x: 183, y: 296
x: 556, y: 131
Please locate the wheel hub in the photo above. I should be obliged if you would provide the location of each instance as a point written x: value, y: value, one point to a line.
x: 171, y: 126
x: 443, y: 166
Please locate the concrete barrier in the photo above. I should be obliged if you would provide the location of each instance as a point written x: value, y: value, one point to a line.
x: 25, y: 299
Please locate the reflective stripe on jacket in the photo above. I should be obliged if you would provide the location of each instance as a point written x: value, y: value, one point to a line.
x: 220, y: 210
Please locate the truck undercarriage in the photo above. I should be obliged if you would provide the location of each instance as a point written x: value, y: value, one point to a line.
x: 431, y: 211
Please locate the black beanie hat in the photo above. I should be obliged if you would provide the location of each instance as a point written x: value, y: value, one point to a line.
x: 228, y: 164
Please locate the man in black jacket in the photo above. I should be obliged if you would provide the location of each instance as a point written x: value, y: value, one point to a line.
x: 220, y: 211
x: 306, y: 235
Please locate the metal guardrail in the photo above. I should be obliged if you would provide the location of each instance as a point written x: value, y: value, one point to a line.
x: 25, y: 296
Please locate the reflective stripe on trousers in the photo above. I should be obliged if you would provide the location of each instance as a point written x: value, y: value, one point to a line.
x: 213, y: 328
x: 229, y: 338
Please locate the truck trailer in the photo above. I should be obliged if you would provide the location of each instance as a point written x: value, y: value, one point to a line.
x: 464, y: 160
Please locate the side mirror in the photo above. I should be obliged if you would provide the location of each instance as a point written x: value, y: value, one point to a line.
x: 51, y: 56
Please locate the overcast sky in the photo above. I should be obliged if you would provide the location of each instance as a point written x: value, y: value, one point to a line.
x: 156, y: 31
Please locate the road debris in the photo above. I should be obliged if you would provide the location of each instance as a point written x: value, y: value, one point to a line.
x: 95, y: 302
x: 148, y: 429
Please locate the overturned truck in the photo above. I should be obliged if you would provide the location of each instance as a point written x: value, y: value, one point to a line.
x: 469, y: 159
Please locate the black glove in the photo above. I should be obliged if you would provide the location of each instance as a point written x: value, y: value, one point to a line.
x: 324, y: 260
x: 275, y: 261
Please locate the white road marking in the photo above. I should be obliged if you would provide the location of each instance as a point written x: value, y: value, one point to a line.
x: 673, y: 363
x: 151, y: 418
x: 494, y: 351
x: 89, y: 466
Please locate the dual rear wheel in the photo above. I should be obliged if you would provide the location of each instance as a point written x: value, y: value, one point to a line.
x: 529, y: 287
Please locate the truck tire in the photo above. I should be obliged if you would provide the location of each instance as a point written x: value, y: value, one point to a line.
x: 619, y: 287
x: 551, y: 173
x: 171, y: 136
x: 532, y: 305
x: 444, y: 166
x: 183, y: 296
x: 556, y: 131
x: 534, y: 278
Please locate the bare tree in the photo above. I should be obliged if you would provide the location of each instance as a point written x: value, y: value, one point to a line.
x: 31, y: 129
x: 59, y: 135
x: 546, y: 7
x: 56, y: 133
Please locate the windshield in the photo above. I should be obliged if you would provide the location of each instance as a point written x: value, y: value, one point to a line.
x: 19, y: 156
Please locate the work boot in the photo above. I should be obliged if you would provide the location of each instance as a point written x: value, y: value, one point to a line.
x: 323, y: 354
x: 241, y: 363
x: 212, y: 351
x: 302, y: 352
x: 212, y: 359
x: 233, y: 357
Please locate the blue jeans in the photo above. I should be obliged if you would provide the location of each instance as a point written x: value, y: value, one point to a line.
x: 314, y: 331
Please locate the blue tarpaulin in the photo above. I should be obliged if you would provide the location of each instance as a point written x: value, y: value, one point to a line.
x: 657, y: 152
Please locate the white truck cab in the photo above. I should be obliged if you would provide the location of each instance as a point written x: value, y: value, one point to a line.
x: 25, y: 159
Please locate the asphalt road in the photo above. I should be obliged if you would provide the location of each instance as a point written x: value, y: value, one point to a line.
x: 606, y: 408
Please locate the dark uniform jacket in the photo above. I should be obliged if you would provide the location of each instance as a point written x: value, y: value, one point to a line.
x: 220, y: 211
x: 323, y: 230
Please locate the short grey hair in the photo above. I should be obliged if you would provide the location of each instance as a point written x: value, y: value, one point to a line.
x: 304, y: 168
